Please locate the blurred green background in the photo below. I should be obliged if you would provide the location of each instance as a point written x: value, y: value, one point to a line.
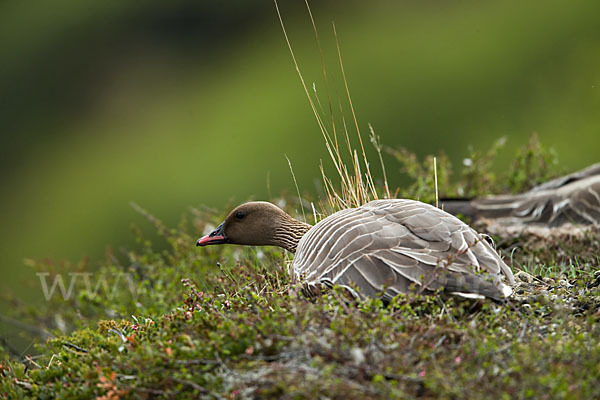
x: 187, y: 103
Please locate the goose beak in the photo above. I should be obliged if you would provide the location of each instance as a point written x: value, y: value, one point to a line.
x: 215, y: 237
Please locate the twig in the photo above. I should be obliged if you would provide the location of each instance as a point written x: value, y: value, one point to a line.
x: 197, y: 361
x: 297, y: 189
x: 435, y: 181
x: 158, y: 224
x: 272, y: 357
x: 223, y: 365
x: 377, y: 144
x: 26, y: 385
x: 50, y: 362
x: 74, y: 346
x: 191, y: 384
x: 32, y: 361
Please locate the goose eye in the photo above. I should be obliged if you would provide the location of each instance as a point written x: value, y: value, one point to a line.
x: 240, y: 214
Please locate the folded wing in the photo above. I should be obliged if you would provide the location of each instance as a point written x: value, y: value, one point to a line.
x: 394, y: 246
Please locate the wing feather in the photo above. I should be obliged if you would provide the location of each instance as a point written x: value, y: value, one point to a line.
x: 389, y: 245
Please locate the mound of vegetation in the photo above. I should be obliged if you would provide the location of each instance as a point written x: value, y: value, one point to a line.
x: 225, y: 322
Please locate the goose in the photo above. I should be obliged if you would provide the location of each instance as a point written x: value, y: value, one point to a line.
x: 383, y: 248
x: 573, y: 199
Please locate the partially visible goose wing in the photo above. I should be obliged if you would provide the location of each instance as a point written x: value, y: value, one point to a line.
x: 591, y: 171
x: 573, y: 198
x: 577, y: 202
x: 390, y: 245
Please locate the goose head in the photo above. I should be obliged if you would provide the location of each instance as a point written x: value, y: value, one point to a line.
x: 257, y: 223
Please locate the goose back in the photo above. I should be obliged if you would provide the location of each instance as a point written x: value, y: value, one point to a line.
x: 391, y: 246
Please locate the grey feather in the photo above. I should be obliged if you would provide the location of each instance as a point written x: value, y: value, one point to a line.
x: 571, y: 199
x: 389, y: 246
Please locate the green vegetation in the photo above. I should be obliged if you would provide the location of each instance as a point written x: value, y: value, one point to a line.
x: 174, y: 321
x: 225, y: 322
x: 532, y: 164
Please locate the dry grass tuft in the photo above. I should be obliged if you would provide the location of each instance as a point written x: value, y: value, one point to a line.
x: 354, y: 184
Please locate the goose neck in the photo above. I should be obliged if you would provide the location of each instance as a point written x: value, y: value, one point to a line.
x: 289, y: 233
